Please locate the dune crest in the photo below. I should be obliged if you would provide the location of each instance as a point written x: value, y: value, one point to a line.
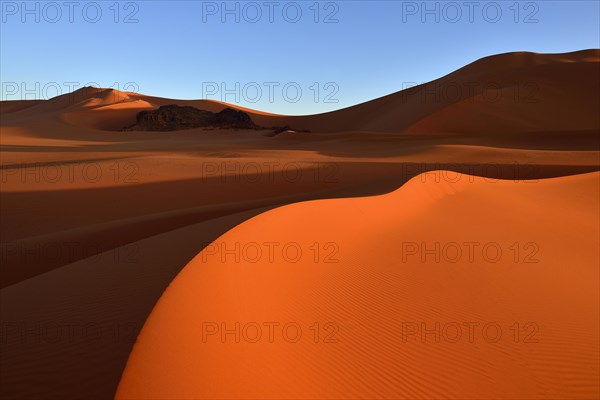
x: 382, y: 313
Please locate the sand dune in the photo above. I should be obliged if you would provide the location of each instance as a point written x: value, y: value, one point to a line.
x: 74, y: 188
x: 526, y: 93
x: 373, y: 285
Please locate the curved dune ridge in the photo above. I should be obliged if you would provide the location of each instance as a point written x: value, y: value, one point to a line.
x: 370, y: 309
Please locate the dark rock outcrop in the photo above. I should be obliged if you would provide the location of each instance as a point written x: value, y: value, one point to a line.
x: 174, y: 117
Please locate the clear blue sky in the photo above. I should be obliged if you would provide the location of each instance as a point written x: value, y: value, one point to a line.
x: 353, y: 50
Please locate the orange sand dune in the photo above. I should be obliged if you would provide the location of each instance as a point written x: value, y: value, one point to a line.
x: 74, y: 188
x: 362, y: 281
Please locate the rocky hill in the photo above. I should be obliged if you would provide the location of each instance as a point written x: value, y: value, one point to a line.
x: 173, y: 117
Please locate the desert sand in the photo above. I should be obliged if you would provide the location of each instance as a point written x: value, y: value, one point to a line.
x: 97, y: 222
x: 366, y: 271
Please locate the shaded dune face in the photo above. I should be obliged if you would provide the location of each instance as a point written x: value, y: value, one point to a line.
x: 468, y: 289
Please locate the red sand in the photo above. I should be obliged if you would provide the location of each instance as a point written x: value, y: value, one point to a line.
x: 377, y: 296
x: 169, y: 193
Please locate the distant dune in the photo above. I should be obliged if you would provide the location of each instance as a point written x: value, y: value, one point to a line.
x: 513, y: 93
x: 370, y: 290
x: 503, y: 94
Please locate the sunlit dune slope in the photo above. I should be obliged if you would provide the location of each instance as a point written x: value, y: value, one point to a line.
x: 469, y: 288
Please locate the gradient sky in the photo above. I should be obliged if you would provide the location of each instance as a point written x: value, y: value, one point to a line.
x: 355, y: 50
